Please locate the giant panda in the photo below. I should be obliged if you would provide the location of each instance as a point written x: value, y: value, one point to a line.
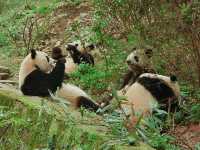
x: 139, y: 61
x: 150, y: 91
x: 77, y: 54
x: 38, y: 76
x: 35, y: 78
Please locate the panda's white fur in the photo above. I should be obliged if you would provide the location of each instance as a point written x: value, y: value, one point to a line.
x: 140, y: 99
x: 70, y: 66
x: 36, y: 68
x: 140, y: 57
x: 70, y: 92
x: 139, y: 61
x: 78, y: 54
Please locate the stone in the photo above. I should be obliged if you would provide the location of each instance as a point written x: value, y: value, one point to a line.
x: 4, y: 69
x: 4, y: 76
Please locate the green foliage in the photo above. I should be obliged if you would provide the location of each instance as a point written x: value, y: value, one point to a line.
x: 189, y: 109
x: 3, y: 40
x: 90, y: 77
x: 186, y: 11
x: 165, y: 25
x: 194, y: 114
x: 151, y: 132
x: 197, y: 146
x: 31, y: 128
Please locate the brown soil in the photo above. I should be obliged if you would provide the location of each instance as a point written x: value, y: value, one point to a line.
x: 61, y: 19
x: 186, y: 136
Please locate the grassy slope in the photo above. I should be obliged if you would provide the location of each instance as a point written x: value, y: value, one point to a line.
x: 32, y: 115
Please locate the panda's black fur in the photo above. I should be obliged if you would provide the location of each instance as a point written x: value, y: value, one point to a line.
x: 160, y: 91
x: 38, y: 83
x: 86, y: 103
x: 151, y: 91
x: 78, y: 56
x: 135, y: 61
x: 131, y: 76
x: 57, y: 53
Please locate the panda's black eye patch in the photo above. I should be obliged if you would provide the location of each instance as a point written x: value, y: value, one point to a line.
x: 136, y: 58
x: 47, y: 58
x: 76, y: 45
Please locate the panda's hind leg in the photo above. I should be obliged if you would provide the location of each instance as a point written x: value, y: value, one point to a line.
x: 86, y: 103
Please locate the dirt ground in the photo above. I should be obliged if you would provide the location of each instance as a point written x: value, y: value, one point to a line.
x: 186, y: 136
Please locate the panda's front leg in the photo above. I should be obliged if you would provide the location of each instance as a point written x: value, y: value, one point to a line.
x: 127, y: 77
x: 56, y: 77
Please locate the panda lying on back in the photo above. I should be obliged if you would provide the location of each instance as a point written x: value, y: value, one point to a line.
x: 38, y: 76
x: 78, y: 54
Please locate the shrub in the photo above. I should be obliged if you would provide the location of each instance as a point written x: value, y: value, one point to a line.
x: 172, y: 28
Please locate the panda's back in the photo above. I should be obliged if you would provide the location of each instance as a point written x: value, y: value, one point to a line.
x: 150, y: 90
x: 140, y: 99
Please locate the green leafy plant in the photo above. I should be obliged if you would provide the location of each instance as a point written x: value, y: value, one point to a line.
x: 3, y: 40
x: 91, y: 78
x: 197, y: 146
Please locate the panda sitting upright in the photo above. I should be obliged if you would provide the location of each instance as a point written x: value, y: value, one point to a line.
x: 38, y: 76
x: 145, y: 90
x: 139, y: 61
x: 34, y: 76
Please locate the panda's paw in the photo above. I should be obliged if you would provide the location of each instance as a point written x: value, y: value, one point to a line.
x: 62, y: 60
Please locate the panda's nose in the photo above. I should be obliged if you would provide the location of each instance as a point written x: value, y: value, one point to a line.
x: 128, y: 62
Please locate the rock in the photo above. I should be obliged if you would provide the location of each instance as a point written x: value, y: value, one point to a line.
x: 58, y: 43
x: 4, y: 69
x: 8, y: 81
x: 4, y: 76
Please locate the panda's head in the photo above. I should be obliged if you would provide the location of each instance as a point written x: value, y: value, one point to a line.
x: 79, y: 52
x: 35, y: 60
x: 78, y: 46
x: 41, y: 60
x: 139, y: 58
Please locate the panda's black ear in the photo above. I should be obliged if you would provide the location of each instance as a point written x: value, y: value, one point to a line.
x: 33, y: 53
x: 173, y: 78
x: 134, y: 49
x: 90, y: 47
x: 149, y: 52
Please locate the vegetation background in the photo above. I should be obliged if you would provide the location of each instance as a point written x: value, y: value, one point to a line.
x: 171, y: 28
